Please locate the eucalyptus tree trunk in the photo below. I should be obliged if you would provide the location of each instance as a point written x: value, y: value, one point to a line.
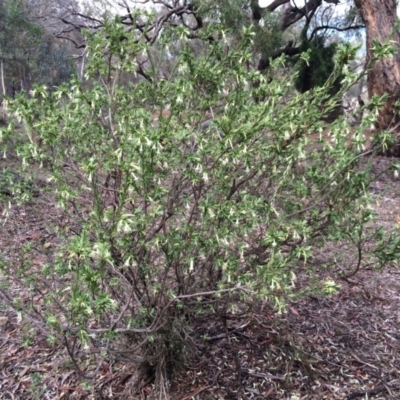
x: 3, y: 84
x: 384, y: 77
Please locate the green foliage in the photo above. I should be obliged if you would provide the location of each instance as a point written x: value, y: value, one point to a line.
x: 233, y: 15
x: 318, y: 67
x: 229, y: 13
x: 174, y: 218
x: 53, y: 64
x: 28, y: 53
x: 269, y: 37
x: 14, y: 185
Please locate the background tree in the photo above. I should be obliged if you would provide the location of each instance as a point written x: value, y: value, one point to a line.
x: 315, y: 18
x: 380, y: 18
x: 272, y: 26
x: 29, y: 52
x: 19, y: 40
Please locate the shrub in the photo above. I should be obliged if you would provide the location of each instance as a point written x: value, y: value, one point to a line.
x: 171, y: 219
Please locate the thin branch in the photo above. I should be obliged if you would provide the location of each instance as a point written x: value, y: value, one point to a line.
x: 336, y: 28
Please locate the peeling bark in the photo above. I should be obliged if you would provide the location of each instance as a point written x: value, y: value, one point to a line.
x: 384, y: 77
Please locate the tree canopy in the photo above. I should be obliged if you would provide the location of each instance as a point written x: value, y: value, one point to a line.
x: 281, y: 27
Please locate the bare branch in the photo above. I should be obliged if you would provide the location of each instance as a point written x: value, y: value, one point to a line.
x: 336, y: 28
x: 294, y: 14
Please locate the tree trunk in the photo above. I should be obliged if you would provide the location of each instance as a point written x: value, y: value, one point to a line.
x: 3, y: 84
x: 384, y: 77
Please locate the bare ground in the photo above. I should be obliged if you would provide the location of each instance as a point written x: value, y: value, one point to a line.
x: 342, y: 347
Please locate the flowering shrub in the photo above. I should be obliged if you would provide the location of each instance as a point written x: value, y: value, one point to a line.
x: 172, y: 218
